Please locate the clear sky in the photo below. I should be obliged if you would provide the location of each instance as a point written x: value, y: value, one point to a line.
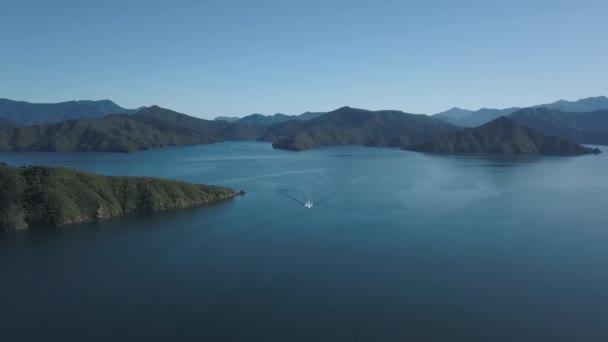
x: 209, y: 58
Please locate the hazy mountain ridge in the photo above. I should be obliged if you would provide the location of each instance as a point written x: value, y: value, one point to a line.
x: 585, y: 127
x: 156, y: 127
x: 588, y: 104
x: 468, y: 118
x: 474, y: 118
x: 502, y: 136
x: 268, y: 120
x: 227, y: 118
x: 26, y: 113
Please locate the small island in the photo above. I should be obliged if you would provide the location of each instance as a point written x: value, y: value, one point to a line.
x: 502, y: 136
x: 49, y: 196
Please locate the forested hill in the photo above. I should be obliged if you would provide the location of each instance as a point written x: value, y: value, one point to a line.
x: 502, y: 136
x: 150, y: 128
x: 37, y: 195
x: 352, y: 126
x: 585, y: 128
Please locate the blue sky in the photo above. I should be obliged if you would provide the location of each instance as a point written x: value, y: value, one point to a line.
x: 209, y: 58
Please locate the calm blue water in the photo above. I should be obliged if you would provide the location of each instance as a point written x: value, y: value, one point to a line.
x: 402, y: 246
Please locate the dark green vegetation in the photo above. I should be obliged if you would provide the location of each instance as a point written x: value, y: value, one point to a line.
x: 351, y: 126
x: 38, y: 195
x: 268, y: 120
x: 585, y: 128
x: 502, y: 136
x: 152, y: 127
x: 469, y: 118
x: 25, y: 113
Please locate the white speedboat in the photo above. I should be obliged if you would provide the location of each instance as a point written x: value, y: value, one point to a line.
x: 308, y: 204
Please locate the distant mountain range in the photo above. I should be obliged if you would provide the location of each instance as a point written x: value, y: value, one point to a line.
x: 587, y: 127
x: 502, y: 136
x: 469, y: 118
x: 26, y: 113
x: 152, y: 127
x: 351, y: 126
x: 589, y: 104
x: 156, y: 127
x: 267, y: 120
x: 227, y: 118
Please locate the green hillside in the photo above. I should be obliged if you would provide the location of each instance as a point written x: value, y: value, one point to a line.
x: 351, y: 126
x: 151, y: 128
x: 502, y: 136
x: 37, y: 195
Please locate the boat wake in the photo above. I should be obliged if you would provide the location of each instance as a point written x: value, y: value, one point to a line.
x: 308, y: 203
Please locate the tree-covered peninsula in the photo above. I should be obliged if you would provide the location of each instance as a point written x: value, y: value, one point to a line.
x: 38, y: 195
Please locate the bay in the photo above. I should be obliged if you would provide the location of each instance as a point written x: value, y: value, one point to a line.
x: 398, y: 246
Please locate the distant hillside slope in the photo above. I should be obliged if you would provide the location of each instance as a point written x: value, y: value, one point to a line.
x: 268, y: 120
x: 589, y: 104
x: 473, y: 118
x: 455, y: 113
x: 501, y: 136
x: 586, y: 128
x: 226, y: 118
x: 25, y: 113
x: 153, y: 127
x: 351, y: 126
x: 310, y: 115
x: 220, y: 130
x: 38, y: 195
x: 468, y: 118
x: 264, y: 120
